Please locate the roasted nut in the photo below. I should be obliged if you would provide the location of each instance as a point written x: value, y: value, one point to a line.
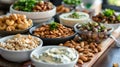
x: 81, y: 49
x: 80, y: 61
x: 83, y: 58
x: 96, y: 50
x: 82, y: 44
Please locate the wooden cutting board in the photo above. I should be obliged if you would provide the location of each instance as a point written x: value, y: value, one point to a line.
x: 105, y: 45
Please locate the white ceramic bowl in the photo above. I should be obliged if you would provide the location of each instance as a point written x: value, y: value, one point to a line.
x: 71, y: 21
x: 36, y: 16
x: 16, y: 56
x: 43, y: 64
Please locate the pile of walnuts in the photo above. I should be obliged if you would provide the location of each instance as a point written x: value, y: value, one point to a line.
x: 86, y: 50
x: 14, y: 22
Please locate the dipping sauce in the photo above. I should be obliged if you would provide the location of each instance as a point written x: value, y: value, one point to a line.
x: 57, y: 55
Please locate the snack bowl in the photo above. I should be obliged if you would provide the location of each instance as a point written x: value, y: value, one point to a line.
x: 65, y: 20
x: 36, y: 16
x: 39, y: 63
x: 15, y: 19
x: 91, y: 36
x: 19, y: 55
x: 53, y: 41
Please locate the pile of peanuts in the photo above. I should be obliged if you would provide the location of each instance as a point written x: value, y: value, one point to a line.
x: 20, y: 42
x: 14, y: 22
x: 45, y: 32
x: 86, y: 50
x: 43, y: 6
x: 62, y: 9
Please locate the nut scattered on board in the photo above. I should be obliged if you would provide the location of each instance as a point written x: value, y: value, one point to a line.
x: 86, y: 50
x: 14, y: 22
x: 115, y: 65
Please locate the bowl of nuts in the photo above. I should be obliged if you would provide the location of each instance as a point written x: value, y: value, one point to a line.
x: 14, y: 23
x: 53, y: 33
x: 17, y: 48
x: 38, y: 11
x: 93, y: 32
x: 108, y: 17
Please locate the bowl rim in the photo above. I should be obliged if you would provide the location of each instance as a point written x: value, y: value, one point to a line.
x: 11, y: 9
x: 33, y: 28
x: 52, y: 46
x: 73, y: 19
x: 18, y: 30
x: 108, y: 32
x: 40, y: 44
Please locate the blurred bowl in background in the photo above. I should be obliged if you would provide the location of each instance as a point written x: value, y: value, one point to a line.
x: 37, y: 17
x: 65, y: 20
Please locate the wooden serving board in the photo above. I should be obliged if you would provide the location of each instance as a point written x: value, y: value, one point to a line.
x: 105, y: 46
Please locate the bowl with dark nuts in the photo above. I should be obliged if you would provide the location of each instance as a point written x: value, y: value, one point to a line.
x: 93, y: 32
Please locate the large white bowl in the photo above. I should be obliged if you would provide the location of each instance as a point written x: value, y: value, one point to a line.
x: 71, y: 21
x: 16, y: 56
x: 43, y: 64
x: 36, y: 16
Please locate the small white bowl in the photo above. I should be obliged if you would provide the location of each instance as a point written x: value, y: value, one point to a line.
x: 71, y: 21
x: 16, y: 56
x: 36, y: 16
x: 43, y: 64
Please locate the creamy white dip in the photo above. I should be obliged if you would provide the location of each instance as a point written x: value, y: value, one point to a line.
x: 57, y: 55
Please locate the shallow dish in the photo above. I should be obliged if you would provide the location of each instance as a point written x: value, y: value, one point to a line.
x: 53, y: 41
x: 16, y: 56
x: 43, y: 64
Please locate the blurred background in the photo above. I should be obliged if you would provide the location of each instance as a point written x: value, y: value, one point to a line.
x: 98, y: 5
